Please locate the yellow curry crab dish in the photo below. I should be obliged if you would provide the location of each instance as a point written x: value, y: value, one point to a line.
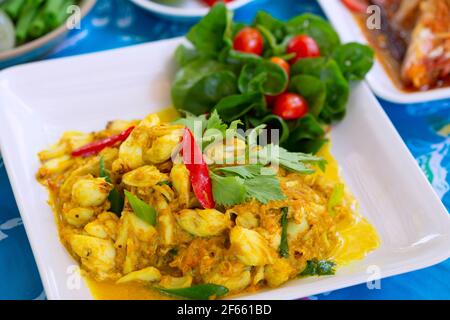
x: 144, y: 222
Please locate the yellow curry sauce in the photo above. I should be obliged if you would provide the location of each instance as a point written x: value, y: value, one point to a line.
x: 344, y: 238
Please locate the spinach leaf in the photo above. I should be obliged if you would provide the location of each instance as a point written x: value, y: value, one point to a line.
x: 312, y: 89
x: 184, y: 55
x: 274, y: 122
x: 235, y: 106
x: 201, y: 84
x: 337, y: 87
x: 213, y: 32
x: 317, y: 28
x: 307, y: 136
x: 274, y: 80
x: 354, y: 59
x: 275, y: 26
x: 317, y: 267
x: 141, y: 208
x: 284, y: 247
x: 197, y: 292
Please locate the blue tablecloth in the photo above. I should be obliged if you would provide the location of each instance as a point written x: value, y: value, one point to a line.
x: 425, y: 128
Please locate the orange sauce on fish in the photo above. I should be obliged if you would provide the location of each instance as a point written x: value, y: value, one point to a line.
x: 357, y: 240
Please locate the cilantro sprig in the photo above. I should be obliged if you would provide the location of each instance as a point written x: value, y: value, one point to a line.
x: 234, y: 185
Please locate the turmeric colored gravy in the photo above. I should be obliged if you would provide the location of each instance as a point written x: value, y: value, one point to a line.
x: 358, y: 238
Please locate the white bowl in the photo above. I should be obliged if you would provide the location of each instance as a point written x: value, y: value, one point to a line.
x: 39, y: 101
x: 378, y: 79
x: 183, y: 9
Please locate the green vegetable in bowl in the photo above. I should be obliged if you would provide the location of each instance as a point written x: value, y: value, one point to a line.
x: 242, y: 72
x: 35, y: 18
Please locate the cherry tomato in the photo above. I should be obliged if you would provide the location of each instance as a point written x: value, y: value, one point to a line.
x: 213, y: 2
x: 303, y: 47
x: 282, y: 63
x: 290, y: 106
x: 358, y: 6
x: 249, y: 40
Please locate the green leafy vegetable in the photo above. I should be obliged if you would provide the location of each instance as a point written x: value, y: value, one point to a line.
x: 228, y: 191
x: 263, y: 76
x: 115, y: 197
x: 201, y: 84
x: 248, y: 182
x: 235, y: 106
x: 328, y: 71
x: 284, y: 247
x: 184, y: 55
x: 354, y: 59
x: 318, y: 29
x: 312, y: 89
x: 273, y: 25
x: 336, y: 198
x: 142, y: 209
x: 197, y: 292
x: 317, y: 267
x: 117, y: 201
x: 275, y: 122
x: 291, y: 161
x: 306, y: 136
x: 213, y: 33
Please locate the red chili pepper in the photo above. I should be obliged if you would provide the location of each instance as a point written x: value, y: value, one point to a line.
x: 97, y: 146
x: 198, y: 170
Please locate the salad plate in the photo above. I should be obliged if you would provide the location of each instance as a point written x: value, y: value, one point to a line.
x: 378, y: 78
x: 39, y: 101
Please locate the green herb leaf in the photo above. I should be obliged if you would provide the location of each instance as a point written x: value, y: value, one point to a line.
x: 227, y: 191
x: 142, y: 209
x: 235, y: 106
x: 336, y: 198
x: 115, y: 198
x: 317, y: 267
x: 117, y: 201
x: 197, y: 292
x: 284, y: 247
x: 251, y: 182
x: 291, y: 161
x: 103, y: 172
x: 245, y: 171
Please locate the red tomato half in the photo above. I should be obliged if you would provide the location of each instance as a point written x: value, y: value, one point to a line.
x: 303, y: 47
x: 249, y: 40
x: 290, y: 106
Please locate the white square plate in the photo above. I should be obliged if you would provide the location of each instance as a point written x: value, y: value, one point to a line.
x: 378, y: 79
x: 39, y: 101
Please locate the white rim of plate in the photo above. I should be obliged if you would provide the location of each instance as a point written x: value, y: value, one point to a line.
x: 183, y: 12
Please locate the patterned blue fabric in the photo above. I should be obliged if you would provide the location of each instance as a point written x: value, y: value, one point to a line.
x: 425, y: 128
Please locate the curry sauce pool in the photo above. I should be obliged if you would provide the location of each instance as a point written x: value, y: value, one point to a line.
x: 162, y: 238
